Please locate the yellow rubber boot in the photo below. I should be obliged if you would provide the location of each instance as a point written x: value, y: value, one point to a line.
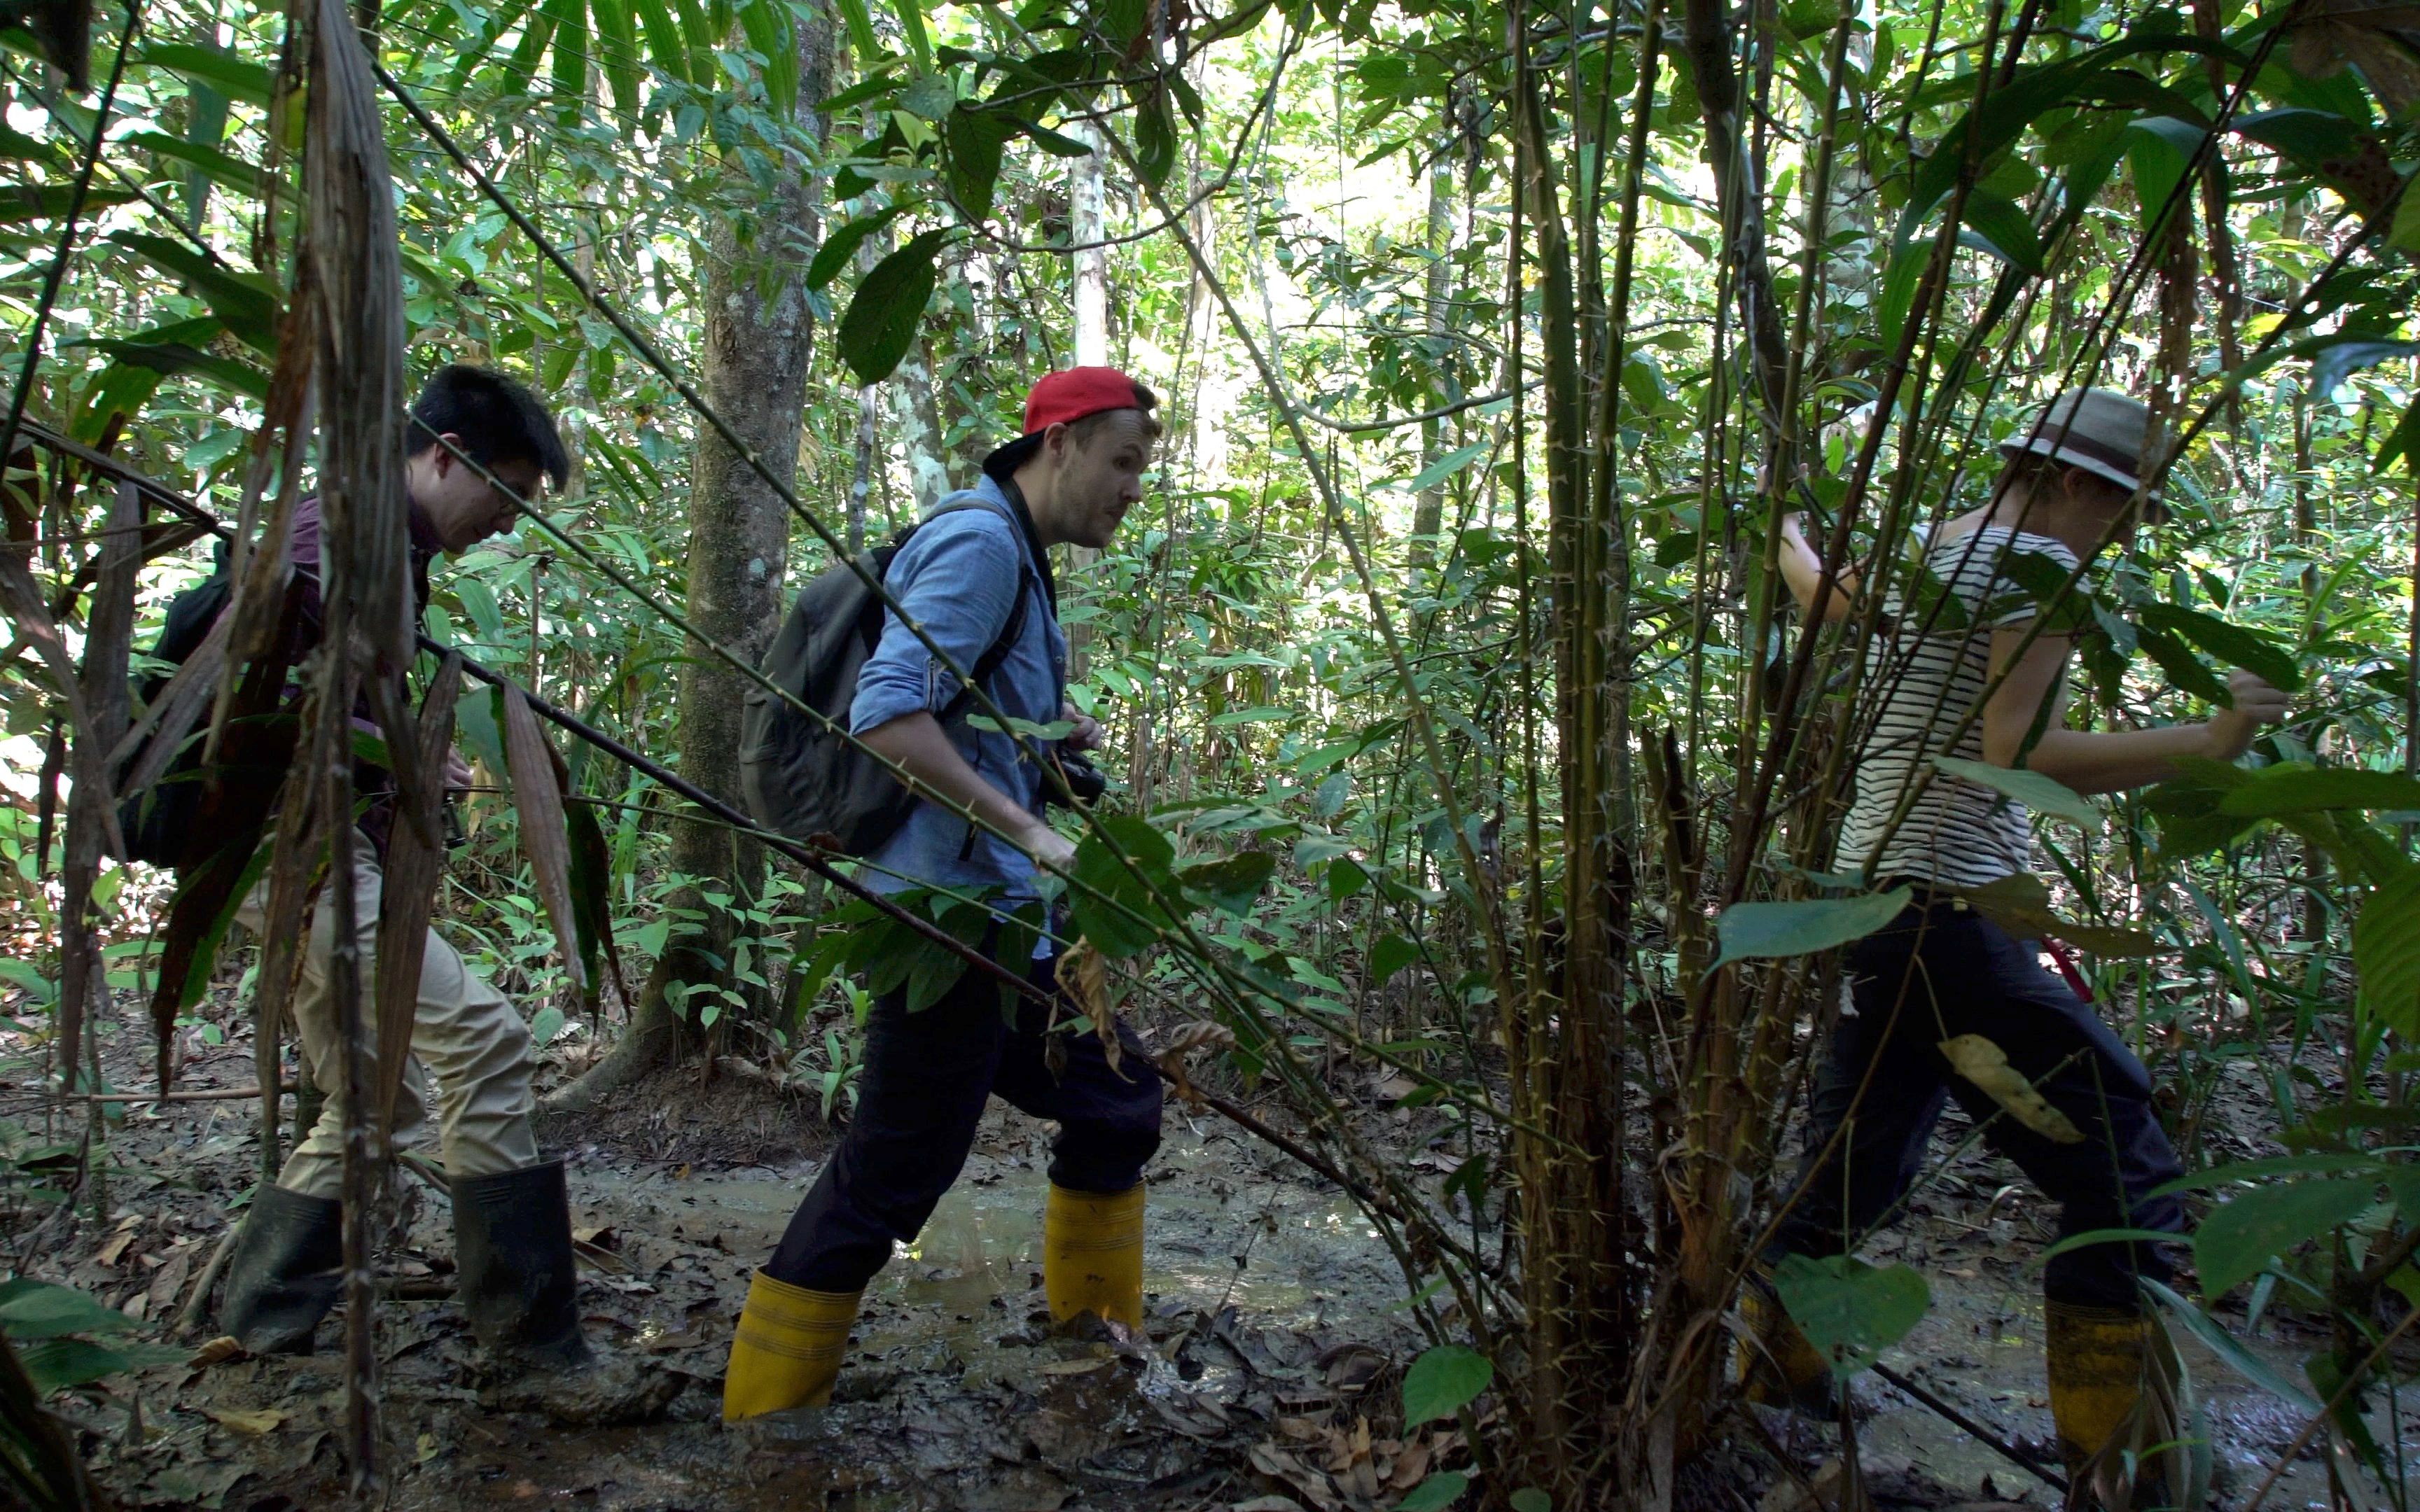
x: 787, y: 1347
x: 1777, y: 1365
x: 1091, y: 1255
x: 2127, y: 1426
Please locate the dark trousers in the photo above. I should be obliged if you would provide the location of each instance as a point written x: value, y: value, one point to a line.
x: 1936, y: 972
x: 925, y: 1080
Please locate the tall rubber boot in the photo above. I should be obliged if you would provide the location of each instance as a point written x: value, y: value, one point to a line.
x: 1778, y: 1366
x: 287, y: 1272
x: 1091, y: 1255
x: 787, y: 1348
x: 518, y: 1288
x: 2127, y: 1426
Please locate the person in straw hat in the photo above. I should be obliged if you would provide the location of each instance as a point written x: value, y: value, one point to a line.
x: 2073, y: 484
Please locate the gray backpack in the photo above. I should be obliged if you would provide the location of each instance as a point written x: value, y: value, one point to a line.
x: 798, y: 774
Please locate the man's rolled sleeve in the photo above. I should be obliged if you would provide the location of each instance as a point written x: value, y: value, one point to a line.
x: 958, y: 577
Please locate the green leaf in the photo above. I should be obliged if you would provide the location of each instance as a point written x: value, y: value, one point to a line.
x: 2005, y: 231
x: 55, y: 1364
x: 2243, y: 1234
x: 2295, y: 788
x: 1447, y: 466
x: 1771, y: 931
x: 221, y: 167
x: 2215, y: 1336
x: 1391, y: 954
x: 666, y: 48
x: 1530, y: 1499
x: 2039, y: 794
x: 170, y: 357
x: 911, y: 25
x: 49, y: 202
x: 1057, y: 143
x: 842, y: 244
x: 547, y: 1027
x: 245, y: 304
x: 767, y: 25
x: 1231, y: 883
x: 1446, y: 1378
x: 1155, y: 151
x: 931, y: 96
x: 2229, y: 643
x: 617, y: 52
x: 569, y: 42
x: 888, y: 309
x: 32, y: 1309
x: 975, y: 138
x: 2386, y: 953
x: 1441, y: 1489
x: 2184, y: 668
x: 1103, y: 883
x: 1848, y: 1310
x: 234, y: 77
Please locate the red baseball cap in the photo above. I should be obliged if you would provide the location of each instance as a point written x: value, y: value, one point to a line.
x: 1072, y: 394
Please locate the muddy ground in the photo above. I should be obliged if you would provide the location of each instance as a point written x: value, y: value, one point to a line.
x: 1269, y: 1380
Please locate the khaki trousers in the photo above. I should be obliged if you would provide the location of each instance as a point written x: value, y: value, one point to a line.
x: 464, y: 1033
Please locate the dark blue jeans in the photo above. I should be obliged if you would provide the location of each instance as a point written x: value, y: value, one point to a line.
x: 1939, y: 971
x: 922, y: 1090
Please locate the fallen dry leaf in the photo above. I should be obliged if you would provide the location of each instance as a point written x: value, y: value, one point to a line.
x: 1074, y: 1367
x: 217, y: 1351
x: 251, y: 1423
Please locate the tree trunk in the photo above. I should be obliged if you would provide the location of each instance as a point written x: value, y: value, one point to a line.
x: 1091, y: 280
x: 754, y: 368
x: 1428, y: 510
x: 920, y: 427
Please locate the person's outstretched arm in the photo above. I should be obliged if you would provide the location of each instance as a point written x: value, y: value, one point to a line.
x: 2106, y: 761
x: 1803, y: 569
x: 918, y: 743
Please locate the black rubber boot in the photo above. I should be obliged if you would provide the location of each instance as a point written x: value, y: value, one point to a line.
x: 517, y: 1286
x: 287, y: 1272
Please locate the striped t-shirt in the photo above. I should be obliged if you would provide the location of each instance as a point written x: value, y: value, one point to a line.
x: 1932, y: 673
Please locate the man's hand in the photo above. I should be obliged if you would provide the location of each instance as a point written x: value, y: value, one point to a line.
x: 2257, y: 702
x: 1087, y: 734
x: 458, y: 773
x: 1048, y: 847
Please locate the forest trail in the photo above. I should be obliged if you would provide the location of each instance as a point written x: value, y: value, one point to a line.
x: 1274, y: 1320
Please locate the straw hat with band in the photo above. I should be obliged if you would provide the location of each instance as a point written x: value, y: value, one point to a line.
x: 2096, y: 429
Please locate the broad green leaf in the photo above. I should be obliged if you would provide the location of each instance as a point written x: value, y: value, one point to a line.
x: 569, y: 41
x: 666, y: 48
x: 1530, y: 1499
x: 911, y: 25
x: 1848, y: 1310
x: 2296, y: 788
x: 1391, y: 954
x: 861, y: 29
x: 246, y: 304
x: 2229, y: 643
x: 1441, y: 1489
x: 2184, y: 668
x: 2386, y: 953
x: 1231, y: 883
x: 767, y: 26
x: 170, y: 357
x: 975, y: 138
x: 2039, y: 794
x: 32, y: 1309
x: 842, y: 244
x: 1057, y: 143
x: 2243, y: 1234
x: 49, y: 202
x: 931, y: 96
x: 1103, y: 883
x: 547, y: 1027
x: 1446, y: 1378
x: 1447, y: 466
x: 234, y: 77
x: 1771, y: 931
x: 617, y: 52
x: 888, y: 309
x: 56, y: 1364
x: 2005, y: 231
x: 221, y: 167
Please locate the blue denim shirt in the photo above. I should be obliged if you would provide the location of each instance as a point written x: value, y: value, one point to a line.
x: 958, y: 576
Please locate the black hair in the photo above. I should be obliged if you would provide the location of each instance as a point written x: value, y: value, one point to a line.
x: 497, y: 418
x: 1003, y: 462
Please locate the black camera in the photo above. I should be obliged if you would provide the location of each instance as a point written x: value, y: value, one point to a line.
x: 1083, y: 777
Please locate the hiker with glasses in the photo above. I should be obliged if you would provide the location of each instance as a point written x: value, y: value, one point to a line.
x: 479, y: 445
x: 974, y: 576
x: 1941, y: 970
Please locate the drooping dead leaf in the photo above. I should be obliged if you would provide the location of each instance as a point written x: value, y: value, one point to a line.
x: 416, y: 860
x: 2020, y: 904
x: 537, y: 795
x: 250, y: 1422
x: 1986, y: 1065
x: 1201, y: 1034
x: 1084, y: 976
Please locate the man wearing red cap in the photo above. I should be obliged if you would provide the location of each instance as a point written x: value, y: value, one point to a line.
x: 975, y: 575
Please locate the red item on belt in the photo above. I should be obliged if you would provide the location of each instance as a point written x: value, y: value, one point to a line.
x: 2066, y: 964
x: 1073, y: 393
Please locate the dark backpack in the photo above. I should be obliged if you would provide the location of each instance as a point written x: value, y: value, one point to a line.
x: 798, y: 774
x: 159, y: 824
